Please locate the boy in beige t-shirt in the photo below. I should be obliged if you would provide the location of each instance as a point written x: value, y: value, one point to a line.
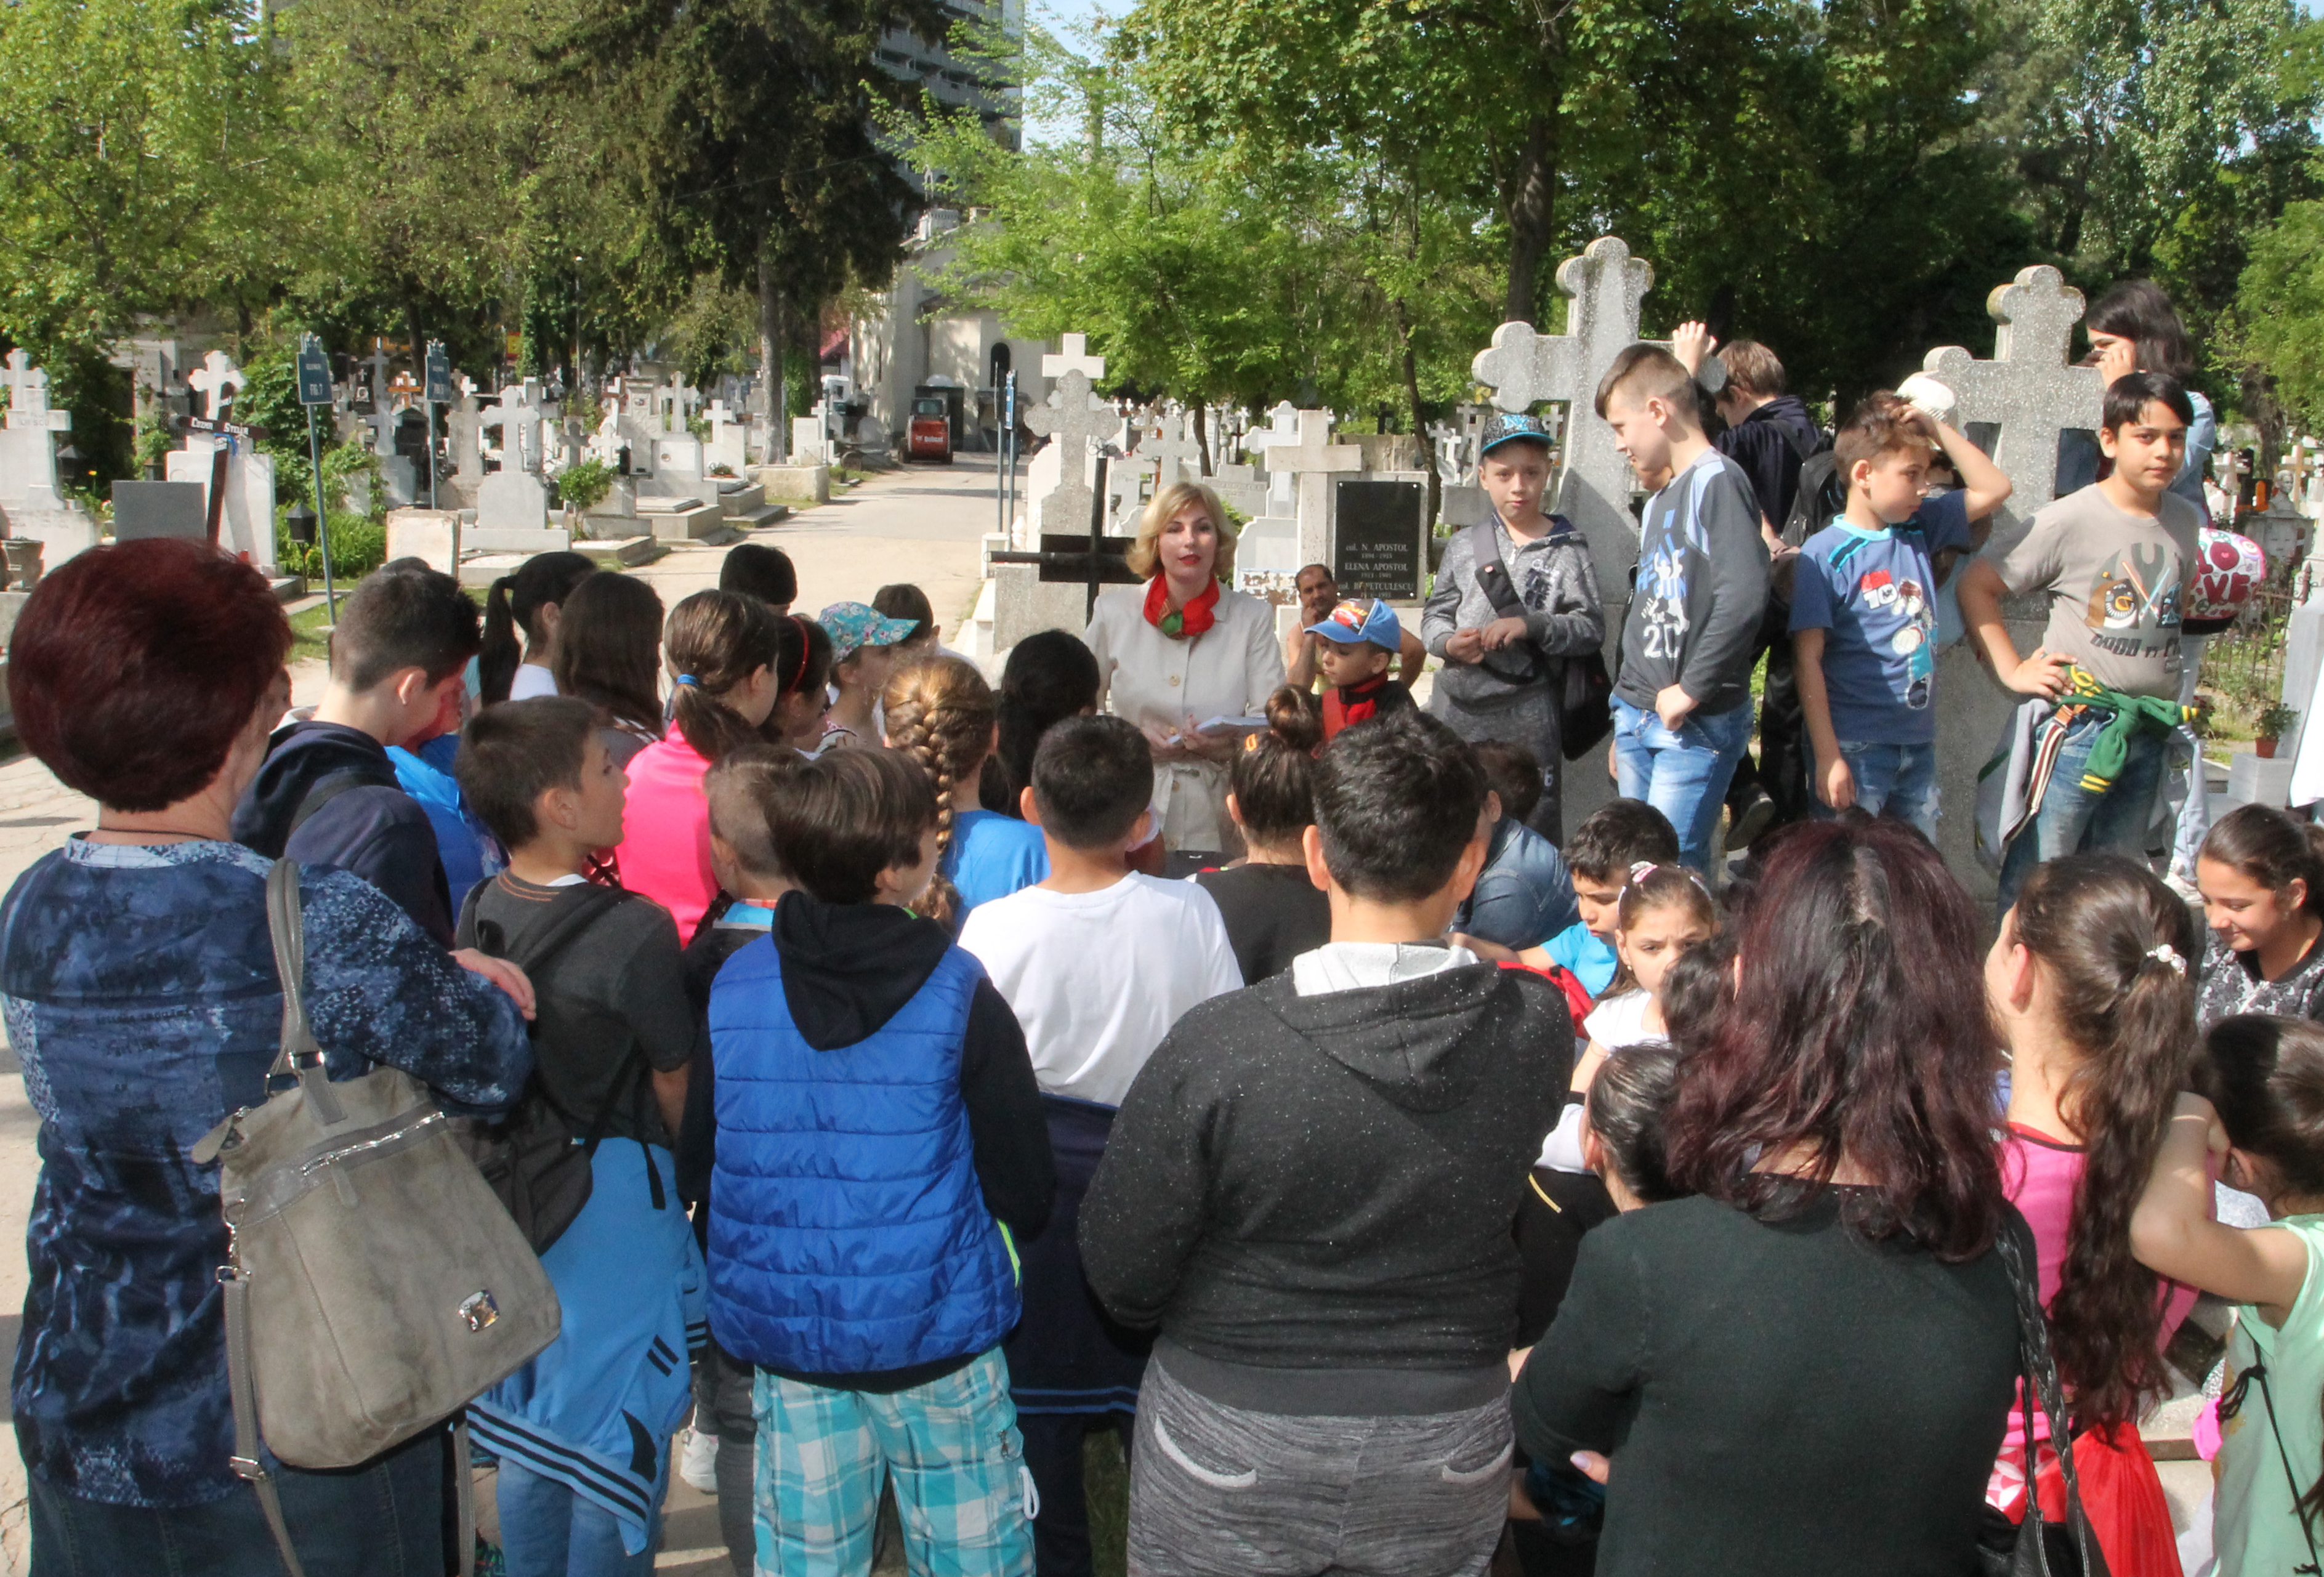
x: 2112, y: 561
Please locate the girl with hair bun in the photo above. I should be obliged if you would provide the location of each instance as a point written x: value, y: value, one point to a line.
x: 1273, y: 909
x: 942, y: 714
x: 723, y: 647
x: 531, y: 600
x: 2261, y: 873
x: 2089, y: 982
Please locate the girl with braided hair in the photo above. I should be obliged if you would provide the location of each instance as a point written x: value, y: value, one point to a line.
x: 943, y: 715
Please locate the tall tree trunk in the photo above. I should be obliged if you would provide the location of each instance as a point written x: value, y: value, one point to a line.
x: 770, y: 359
x: 1202, y: 437
x: 1419, y: 416
x: 1530, y: 203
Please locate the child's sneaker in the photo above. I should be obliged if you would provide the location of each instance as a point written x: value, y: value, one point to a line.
x: 697, y: 1460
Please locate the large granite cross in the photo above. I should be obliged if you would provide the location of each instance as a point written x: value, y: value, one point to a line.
x: 2027, y: 388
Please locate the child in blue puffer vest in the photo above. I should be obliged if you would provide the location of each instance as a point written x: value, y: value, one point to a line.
x: 880, y: 1142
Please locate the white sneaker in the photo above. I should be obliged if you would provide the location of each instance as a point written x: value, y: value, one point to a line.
x: 697, y: 1460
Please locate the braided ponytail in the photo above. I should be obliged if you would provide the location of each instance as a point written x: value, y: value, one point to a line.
x: 941, y: 713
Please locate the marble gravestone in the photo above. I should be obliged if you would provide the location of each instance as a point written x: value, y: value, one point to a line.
x: 512, y: 503
x: 1058, y: 499
x: 1312, y: 460
x: 30, y: 503
x: 1379, y: 533
x: 728, y: 444
x: 2028, y: 390
x: 246, y: 523
x: 158, y: 509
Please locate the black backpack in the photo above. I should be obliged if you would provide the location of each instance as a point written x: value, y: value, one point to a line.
x: 1822, y: 491
x: 535, y: 1160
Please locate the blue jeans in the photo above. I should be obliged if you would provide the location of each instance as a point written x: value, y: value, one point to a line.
x: 384, y: 1519
x: 1895, y: 780
x: 1682, y: 774
x: 2072, y: 820
x: 546, y: 1530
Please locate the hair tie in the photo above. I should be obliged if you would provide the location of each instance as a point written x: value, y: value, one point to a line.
x: 1642, y: 868
x: 689, y: 680
x: 2165, y: 953
x: 798, y: 679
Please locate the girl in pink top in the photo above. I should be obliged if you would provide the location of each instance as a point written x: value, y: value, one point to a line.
x: 724, y: 649
x: 2088, y: 980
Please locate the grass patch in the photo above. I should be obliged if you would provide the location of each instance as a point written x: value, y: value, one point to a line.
x: 311, y: 633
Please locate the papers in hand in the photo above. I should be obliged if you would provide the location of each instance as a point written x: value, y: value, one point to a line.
x: 1218, y: 722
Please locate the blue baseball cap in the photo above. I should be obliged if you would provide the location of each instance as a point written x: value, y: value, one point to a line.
x: 1359, y: 620
x: 1504, y: 428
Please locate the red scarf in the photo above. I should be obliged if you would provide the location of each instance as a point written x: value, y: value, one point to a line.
x: 1358, y: 702
x: 1189, y: 621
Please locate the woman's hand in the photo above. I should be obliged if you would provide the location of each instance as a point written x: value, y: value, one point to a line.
x: 1218, y: 746
x: 1167, y: 747
x: 501, y: 972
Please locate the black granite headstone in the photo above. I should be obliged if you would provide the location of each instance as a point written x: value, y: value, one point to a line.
x: 1377, y: 546
x: 158, y: 509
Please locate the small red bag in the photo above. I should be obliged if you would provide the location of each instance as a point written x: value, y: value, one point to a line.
x: 2122, y: 1495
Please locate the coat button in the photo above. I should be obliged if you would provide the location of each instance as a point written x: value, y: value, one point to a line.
x: 1174, y: 681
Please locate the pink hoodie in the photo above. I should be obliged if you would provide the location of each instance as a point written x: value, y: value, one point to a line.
x: 665, y: 851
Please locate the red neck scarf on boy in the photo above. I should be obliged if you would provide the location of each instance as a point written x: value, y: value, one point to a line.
x: 1189, y: 621
x: 1358, y: 702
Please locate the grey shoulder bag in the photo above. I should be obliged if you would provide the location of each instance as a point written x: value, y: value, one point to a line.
x: 373, y: 1285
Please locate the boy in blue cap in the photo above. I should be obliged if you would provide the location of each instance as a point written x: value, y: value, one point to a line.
x: 1357, y: 645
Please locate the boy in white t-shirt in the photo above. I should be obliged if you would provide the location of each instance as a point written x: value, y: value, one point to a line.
x: 1098, y: 962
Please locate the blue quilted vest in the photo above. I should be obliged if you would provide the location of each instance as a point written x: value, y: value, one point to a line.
x: 848, y: 1234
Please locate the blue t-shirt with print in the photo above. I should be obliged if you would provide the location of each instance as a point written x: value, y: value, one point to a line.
x: 1875, y: 596
x: 991, y: 856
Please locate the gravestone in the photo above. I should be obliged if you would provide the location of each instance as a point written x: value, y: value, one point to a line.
x: 1312, y: 460
x: 430, y: 535
x: 1379, y: 532
x: 1058, y: 493
x: 30, y: 503
x: 2028, y: 390
x: 1522, y: 368
x: 728, y: 445
x: 512, y: 503
x: 246, y: 521
x: 160, y: 509
x: 1170, y: 445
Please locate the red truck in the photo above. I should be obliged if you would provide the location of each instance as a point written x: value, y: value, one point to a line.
x: 930, y: 437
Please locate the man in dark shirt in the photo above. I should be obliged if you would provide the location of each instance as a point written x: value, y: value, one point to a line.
x: 1770, y: 434
x: 327, y: 793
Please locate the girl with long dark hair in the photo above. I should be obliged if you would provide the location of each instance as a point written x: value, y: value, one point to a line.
x: 1050, y: 675
x: 530, y: 601
x: 609, y: 654
x: 1806, y: 1366
x: 723, y: 647
x: 2089, y: 979
x: 2261, y: 872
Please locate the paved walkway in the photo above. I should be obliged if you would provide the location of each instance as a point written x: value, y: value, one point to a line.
x: 922, y: 524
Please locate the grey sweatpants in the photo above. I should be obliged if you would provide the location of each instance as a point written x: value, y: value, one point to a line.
x: 1218, y: 1491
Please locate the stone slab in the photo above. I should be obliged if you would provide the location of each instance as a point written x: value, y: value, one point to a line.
x: 62, y: 532
x: 758, y: 519
x: 740, y: 500
x: 487, y: 568
x: 628, y: 551
x: 812, y: 482
x: 484, y: 539
x: 158, y: 509
x: 1024, y: 605
x: 693, y: 523
x: 2253, y: 782
x: 430, y: 535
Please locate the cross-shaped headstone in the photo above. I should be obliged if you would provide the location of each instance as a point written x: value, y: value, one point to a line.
x: 28, y: 397
x: 2027, y: 388
x: 1314, y: 459
x: 1172, y: 446
x: 217, y: 379
x: 520, y: 423
x: 375, y: 388
x: 1077, y: 421
x: 1073, y: 357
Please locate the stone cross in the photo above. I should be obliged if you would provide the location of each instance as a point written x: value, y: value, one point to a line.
x: 520, y: 424
x: 726, y: 436
x: 1314, y: 459
x: 217, y: 379
x: 28, y: 454
x: 2027, y: 388
x: 1075, y: 421
x: 1073, y: 357
x: 1173, y: 446
x: 28, y: 397
x: 375, y: 388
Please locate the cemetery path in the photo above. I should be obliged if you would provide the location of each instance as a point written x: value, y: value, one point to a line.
x: 920, y: 523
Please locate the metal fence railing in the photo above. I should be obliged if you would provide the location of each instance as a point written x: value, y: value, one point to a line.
x: 2243, y: 665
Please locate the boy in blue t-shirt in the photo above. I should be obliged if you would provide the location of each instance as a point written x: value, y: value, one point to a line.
x: 1599, y: 855
x: 1864, y: 614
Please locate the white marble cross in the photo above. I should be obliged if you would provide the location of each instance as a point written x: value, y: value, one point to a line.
x: 2027, y: 388
x: 28, y: 397
x: 1073, y: 357
x: 728, y: 441
x: 1075, y: 421
x: 1171, y: 445
x: 519, y: 417
x: 1314, y: 459
x: 217, y: 379
x: 375, y: 388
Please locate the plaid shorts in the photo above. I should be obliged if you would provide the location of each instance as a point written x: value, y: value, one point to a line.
x: 951, y: 1447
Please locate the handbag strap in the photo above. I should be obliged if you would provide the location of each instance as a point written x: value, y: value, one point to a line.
x: 301, y: 1057
x: 2040, y: 1374
x: 245, y: 1462
x: 2258, y: 1371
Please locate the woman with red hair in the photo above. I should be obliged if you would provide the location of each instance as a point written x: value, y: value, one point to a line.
x: 1805, y: 1367
x: 139, y: 991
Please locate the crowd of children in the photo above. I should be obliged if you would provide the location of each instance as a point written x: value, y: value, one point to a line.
x: 1398, y: 1178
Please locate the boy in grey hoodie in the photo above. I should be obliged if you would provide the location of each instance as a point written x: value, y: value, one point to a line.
x: 1682, y: 697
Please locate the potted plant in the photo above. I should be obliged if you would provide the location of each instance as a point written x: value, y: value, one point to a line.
x: 2276, y: 723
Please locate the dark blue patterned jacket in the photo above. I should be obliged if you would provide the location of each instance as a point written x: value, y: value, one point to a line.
x: 140, y: 993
